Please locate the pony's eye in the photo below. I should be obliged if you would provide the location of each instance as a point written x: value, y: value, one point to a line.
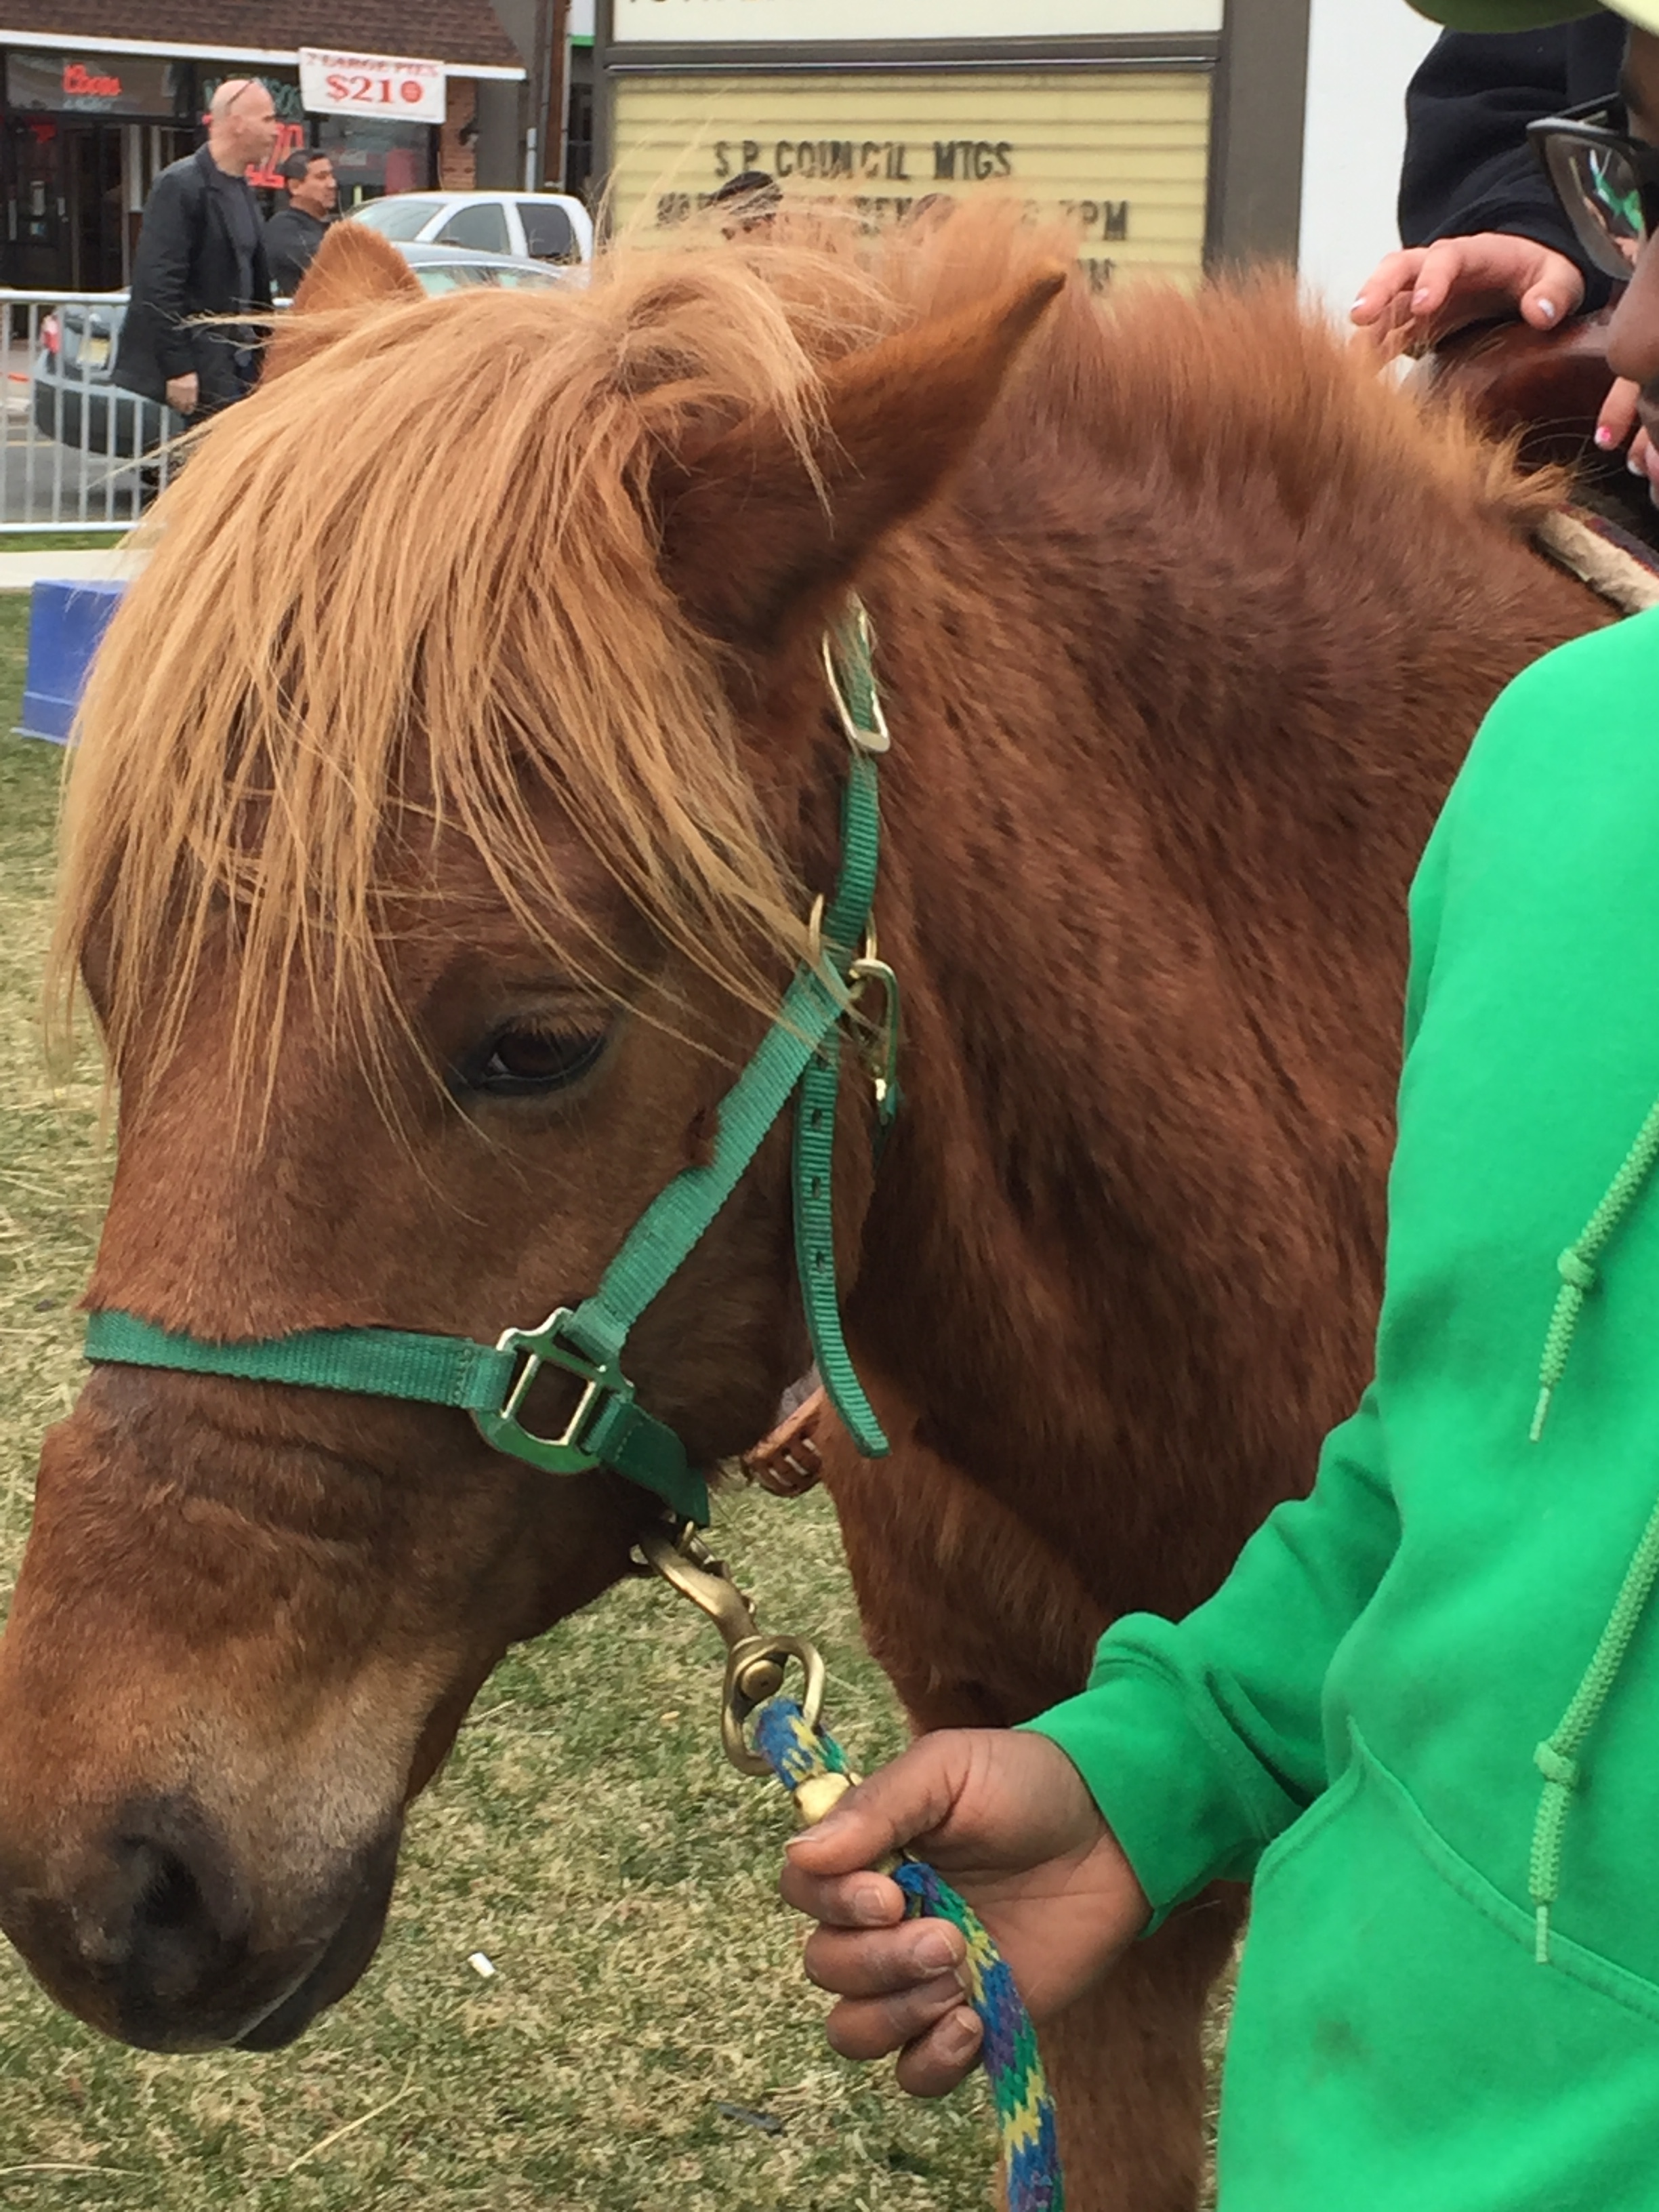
x: 523, y: 1060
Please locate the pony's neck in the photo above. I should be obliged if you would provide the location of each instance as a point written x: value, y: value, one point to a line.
x: 1157, y: 791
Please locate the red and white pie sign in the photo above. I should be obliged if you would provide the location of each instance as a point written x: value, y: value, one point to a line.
x: 388, y: 85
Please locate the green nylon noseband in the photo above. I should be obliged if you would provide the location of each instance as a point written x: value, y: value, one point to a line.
x: 609, y: 1428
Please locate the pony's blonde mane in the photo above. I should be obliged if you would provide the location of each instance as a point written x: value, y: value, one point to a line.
x: 418, y: 573
x: 415, y: 580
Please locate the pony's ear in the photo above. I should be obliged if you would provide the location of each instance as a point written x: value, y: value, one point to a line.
x: 354, y: 267
x: 748, y: 536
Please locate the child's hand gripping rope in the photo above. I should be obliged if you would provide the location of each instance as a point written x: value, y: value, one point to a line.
x: 1007, y: 1816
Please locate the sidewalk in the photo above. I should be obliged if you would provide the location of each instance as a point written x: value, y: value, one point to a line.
x: 21, y: 572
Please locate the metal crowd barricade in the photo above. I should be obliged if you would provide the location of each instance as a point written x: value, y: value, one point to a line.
x: 80, y: 452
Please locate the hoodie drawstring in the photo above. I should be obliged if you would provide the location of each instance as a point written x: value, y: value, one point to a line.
x: 1577, y: 1266
x: 1557, y: 1757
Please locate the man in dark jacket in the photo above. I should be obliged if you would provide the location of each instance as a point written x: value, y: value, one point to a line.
x: 295, y: 231
x: 200, y: 253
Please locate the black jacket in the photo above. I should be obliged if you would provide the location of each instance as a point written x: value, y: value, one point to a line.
x: 292, y: 237
x: 1469, y: 166
x: 185, y: 266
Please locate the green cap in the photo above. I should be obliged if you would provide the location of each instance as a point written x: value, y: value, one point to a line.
x: 1530, y: 14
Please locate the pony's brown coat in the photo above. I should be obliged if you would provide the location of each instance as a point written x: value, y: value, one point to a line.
x: 1181, y: 664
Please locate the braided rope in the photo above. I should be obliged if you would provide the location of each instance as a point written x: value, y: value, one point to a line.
x: 797, y: 1752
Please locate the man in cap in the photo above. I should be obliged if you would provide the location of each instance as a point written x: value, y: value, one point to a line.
x: 1418, y: 1714
x: 749, y: 202
x: 201, y: 254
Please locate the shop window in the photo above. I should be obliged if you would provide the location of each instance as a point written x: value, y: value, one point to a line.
x: 283, y: 85
x: 579, y: 138
x: 481, y: 224
x: 95, y: 84
x: 372, y: 158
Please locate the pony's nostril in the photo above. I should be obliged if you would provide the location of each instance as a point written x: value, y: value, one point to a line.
x: 175, y: 1917
x: 170, y: 1898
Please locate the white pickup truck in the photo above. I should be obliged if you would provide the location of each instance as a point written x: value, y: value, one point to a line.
x: 539, y: 226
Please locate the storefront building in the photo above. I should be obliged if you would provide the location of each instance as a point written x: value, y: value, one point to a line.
x: 1168, y: 132
x: 92, y: 108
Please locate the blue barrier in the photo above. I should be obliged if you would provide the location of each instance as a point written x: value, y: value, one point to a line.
x: 67, y: 622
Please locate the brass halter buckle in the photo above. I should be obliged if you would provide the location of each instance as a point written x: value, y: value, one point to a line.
x: 756, y: 1664
x: 546, y: 1347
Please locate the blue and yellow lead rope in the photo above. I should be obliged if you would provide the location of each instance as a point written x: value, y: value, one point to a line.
x: 798, y: 1753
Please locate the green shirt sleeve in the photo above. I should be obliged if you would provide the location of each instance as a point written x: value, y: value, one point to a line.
x: 1201, y: 1740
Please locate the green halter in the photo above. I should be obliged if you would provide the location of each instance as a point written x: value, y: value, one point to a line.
x: 609, y: 1428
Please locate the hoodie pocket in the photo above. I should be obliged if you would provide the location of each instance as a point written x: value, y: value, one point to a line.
x: 1395, y: 2048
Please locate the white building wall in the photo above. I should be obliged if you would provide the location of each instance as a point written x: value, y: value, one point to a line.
x: 1361, y: 54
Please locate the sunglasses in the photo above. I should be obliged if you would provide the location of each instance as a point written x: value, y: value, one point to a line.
x: 1607, y: 181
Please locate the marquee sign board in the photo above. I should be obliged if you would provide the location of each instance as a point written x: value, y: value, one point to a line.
x: 735, y: 22
x: 1120, y: 155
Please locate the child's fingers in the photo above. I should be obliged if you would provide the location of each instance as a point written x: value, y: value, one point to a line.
x: 1441, y: 268
x: 1617, y: 416
x: 1643, y: 460
x: 936, y: 2062
x: 1391, y: 280
x: 865, y: 1899
x: 871, y: 2028
x: 1556, y: 292
x: 881, y: 1961
x: 895, y: 1806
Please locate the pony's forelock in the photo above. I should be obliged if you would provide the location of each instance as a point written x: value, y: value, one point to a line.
x: 415, y: 580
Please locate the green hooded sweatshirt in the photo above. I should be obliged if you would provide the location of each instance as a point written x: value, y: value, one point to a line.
x: 1422, y: 1714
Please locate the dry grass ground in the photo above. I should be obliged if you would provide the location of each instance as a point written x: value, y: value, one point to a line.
x: 586, y: 1837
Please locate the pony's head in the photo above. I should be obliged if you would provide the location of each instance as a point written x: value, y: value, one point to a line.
x: 449, y: 802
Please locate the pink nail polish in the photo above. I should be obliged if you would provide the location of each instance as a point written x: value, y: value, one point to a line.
x: 1603, y: 436
x: 1548, y: 310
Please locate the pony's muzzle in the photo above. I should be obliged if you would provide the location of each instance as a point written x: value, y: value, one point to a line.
x: 155, y: 1937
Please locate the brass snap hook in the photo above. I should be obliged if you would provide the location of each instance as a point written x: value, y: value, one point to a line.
x: 756, y: 1664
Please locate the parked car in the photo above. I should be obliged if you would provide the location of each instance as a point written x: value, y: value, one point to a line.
x: 539, y: 226
x: 448, y: 268
x: 75, y: 402
x: 78, y: 344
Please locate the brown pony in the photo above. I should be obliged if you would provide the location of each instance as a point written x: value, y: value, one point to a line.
x: 430, y: 884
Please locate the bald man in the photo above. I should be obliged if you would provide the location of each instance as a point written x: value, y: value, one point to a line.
x: 200, y: 253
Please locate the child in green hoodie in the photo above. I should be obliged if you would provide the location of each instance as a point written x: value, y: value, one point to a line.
x: 1422, y: 1715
